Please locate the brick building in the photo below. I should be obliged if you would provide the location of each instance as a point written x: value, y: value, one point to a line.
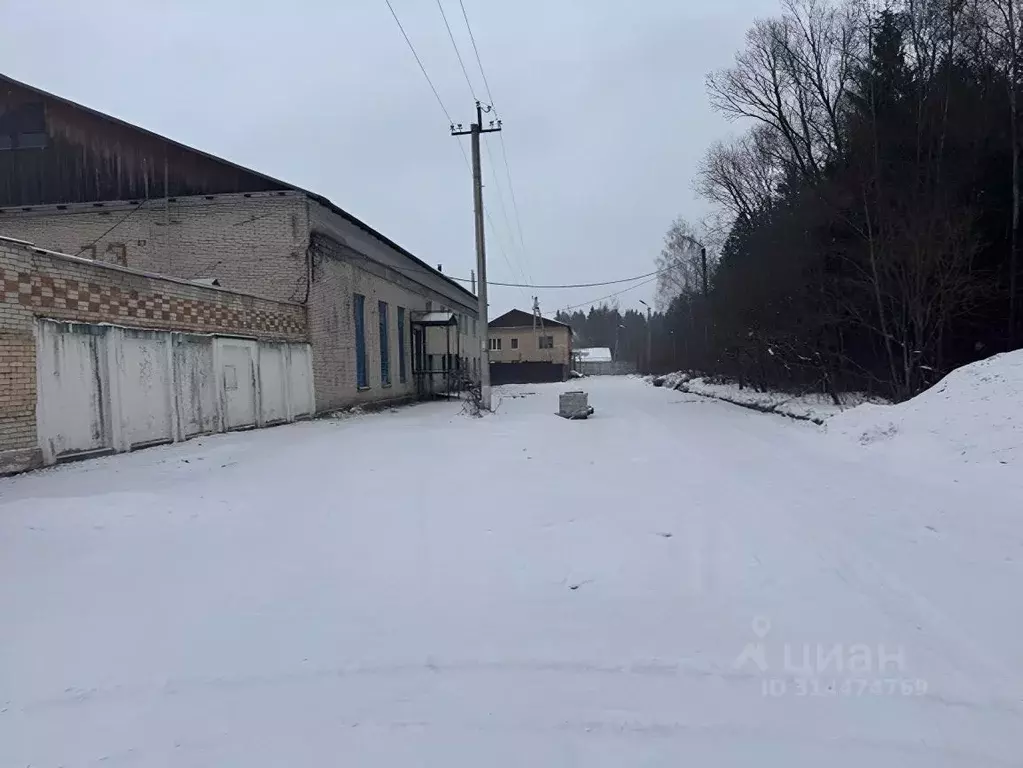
x: 525, y: 348
x: 97, y: 357
x: 90, y: 186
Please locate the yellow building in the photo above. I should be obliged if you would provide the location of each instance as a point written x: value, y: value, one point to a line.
x: 525, y: 348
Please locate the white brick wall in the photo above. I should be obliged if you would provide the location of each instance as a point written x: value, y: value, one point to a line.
x: 336, y: 280
x: 258, y: 243
x: 252, y: 243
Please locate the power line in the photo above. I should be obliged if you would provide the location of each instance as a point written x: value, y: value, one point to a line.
x: 609, y: 296
x: 540, y: 287
x: 457, y: 53
x: 593, y: 285
x: 477, y: 52
x: 653, y: 274
x: 500, y: 247
x: 504, y: 213
x: 420, y: 63
x: 504, y: 150
x: 117, y: 223
x: 511, y: 190
x: 472, y: 92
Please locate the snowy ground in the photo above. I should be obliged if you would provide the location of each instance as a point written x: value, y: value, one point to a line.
x: 421, y: 588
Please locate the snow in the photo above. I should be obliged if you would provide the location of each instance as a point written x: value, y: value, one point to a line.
x: 815, y: 407
x: 417, y: 587
x: 976, y: 413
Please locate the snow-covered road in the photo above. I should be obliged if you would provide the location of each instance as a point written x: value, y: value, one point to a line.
x: 674, y: 581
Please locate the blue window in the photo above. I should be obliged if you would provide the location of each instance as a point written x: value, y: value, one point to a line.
x: 360, y: 341
x: 401, y: 345
x: 385, y: 347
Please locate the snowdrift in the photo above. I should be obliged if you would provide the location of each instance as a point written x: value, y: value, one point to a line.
x: 976, y: 411
x: 813, y: 407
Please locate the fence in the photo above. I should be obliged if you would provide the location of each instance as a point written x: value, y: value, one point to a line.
x: 606, y: 368
x: 105, y: 388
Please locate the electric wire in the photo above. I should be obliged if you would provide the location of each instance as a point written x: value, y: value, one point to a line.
x: 609, y: 296
x: 504, y: 149
x: 454, y: 45
x: 420, y: 63
x: 476, y: 50
x: 116, y: 224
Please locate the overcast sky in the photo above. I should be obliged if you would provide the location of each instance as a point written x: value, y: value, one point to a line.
x: 603, y: 103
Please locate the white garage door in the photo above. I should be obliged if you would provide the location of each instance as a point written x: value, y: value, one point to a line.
x: 238, y: 377
x: 72, y: 382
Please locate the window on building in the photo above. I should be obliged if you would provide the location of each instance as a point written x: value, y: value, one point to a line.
x: 546, y: 342
x: 385, y: 346
x: 402, y: 373
x: 514, y: 343
x: 361, y: 378
x: 474, y: 326
x: 495, y: 343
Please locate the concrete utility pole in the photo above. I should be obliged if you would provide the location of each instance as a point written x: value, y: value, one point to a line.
x: 649, y: 367
x: 703, y: 264
x: 649, y: 332
x: 475, y: 129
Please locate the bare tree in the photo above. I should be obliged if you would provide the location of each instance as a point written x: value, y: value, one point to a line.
x: 1004, y: 26
x: 792, y: 77
x: 679, y: 265
x: 741, y: 176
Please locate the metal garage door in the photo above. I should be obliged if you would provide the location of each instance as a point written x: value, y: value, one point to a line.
x: 72, y: 384
x: 237, y: 363
x: 145, y: 386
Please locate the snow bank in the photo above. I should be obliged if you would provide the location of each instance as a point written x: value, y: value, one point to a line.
x: 809, y: 407
x: 976, y: 411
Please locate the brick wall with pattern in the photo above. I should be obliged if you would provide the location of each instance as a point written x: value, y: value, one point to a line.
x: 35, y: 283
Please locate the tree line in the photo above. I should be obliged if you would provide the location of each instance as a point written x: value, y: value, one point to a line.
x: 866, y: 226
x: 627, y: 334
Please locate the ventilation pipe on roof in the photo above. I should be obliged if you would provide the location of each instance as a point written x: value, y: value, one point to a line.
x: 440, y: 267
